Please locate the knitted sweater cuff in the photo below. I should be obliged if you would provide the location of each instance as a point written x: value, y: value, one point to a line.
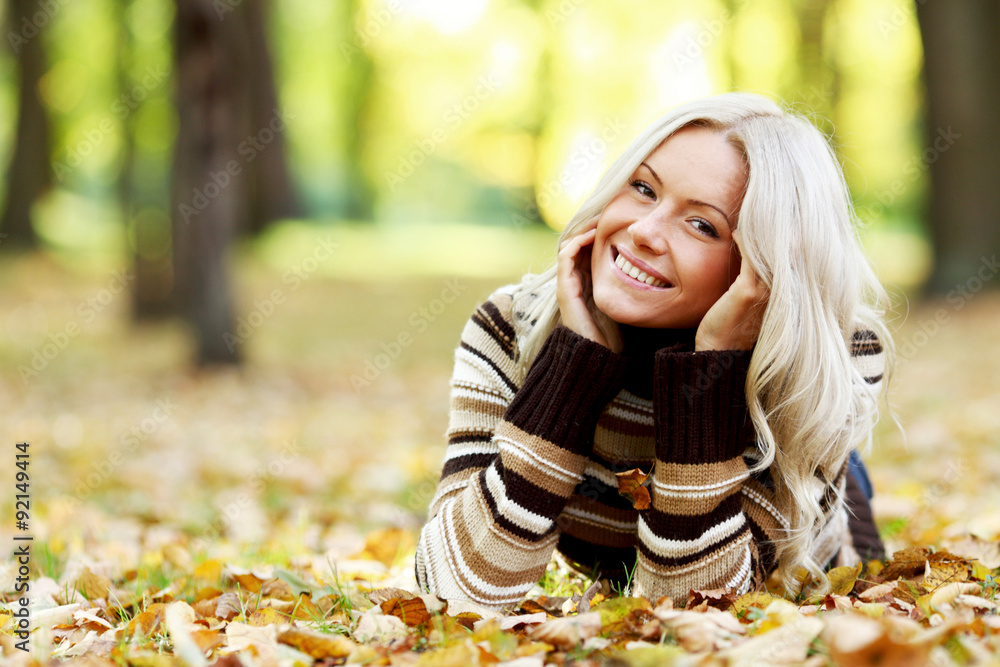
x: 567, y: 387
x: 700, y: 405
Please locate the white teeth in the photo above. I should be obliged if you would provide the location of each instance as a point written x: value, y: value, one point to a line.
x: 637, y: 274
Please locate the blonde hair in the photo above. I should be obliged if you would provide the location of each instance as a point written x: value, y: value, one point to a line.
x: 809, y: 404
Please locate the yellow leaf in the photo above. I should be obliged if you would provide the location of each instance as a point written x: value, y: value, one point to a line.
x: 267, y: 616
x: 758, y: 599
x: 980, y: 572
x: 941, y: 573
x: 630, y: 486
x: 386, y: 545
x: 842, y: 579
x: 317, y: 645
x: 208, y: 571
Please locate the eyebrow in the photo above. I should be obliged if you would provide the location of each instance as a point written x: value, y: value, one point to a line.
x: 694, y: 202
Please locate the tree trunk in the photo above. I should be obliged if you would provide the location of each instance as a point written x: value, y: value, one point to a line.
x: 271, y: 195
x: 356, y: 98
x: 962, y: 146
x: 143, y: 215
x: 29, y: 173
x: 210, y: 177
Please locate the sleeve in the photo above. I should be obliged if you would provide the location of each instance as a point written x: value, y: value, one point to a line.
x: 695, y: 533
x: 514, y: 457
x: 711, y: 524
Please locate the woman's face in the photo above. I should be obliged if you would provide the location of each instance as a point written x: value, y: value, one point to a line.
x: 664, y: 250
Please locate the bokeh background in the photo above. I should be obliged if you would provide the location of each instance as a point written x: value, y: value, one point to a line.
x: 239, y: 240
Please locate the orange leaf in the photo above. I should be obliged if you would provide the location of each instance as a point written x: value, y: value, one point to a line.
x: 630, y: 485
x: 412, y: 612
x: 316, y: 644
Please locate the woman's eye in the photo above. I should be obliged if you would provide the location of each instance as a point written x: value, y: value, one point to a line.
x: 705, y: 227
x: 643, y: 188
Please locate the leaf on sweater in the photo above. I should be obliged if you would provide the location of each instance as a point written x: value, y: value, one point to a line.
x: 630, y: 485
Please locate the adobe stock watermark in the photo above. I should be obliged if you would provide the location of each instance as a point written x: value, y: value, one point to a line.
x: 218, y: 181
x: 376, y: 20
x: 957, y: 297
x: 94, y: 136
x: 42, y: 355
x: 264, y: 308
x: 580, y: 162
x: 916, y: 165
x: 128, y: 442
x: 459, y: 112
x: 30, y: 27
x: 262, y: 476
x: 419, y: 321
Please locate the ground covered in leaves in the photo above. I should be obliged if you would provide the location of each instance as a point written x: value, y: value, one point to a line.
x: 267, y: 516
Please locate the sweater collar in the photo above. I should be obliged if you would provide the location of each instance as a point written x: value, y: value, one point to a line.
x: 640, y: 347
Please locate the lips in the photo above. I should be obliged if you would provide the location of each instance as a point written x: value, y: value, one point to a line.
x: 638, y: 272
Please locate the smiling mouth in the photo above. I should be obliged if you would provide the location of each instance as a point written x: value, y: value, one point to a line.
x: 638, y: 274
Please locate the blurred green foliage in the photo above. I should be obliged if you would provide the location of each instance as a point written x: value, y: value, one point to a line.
x: 476, y: 110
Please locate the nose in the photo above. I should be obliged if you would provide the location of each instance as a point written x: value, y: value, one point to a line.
x: 650, y: 232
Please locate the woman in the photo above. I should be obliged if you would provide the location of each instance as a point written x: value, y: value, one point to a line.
x: 711, y: 318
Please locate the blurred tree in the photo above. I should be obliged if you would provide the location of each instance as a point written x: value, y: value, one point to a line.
x: 210, y: 175
x: 142, y: 203
x: 357, y: 101
x: 962, y: 74
x: 270, y: 188
x: 29, y: 173
x: 818, y: 84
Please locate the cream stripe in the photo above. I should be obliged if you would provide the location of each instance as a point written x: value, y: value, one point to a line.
x: 526, y: 454
x: 766, y: 505
x: 676, y: 548
x: 521, y: 516
x: 620, y: 526
x: 718, y: 487
x: 506, y: 594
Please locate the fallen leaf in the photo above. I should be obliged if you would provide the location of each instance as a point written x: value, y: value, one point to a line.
x: 267, y: 616
x: 412, y: 612
x: 630, y: 485
x: 842, y: 579
x: 317, y: 645
x: 747, y: 601
x: 568, y: 632
x: 92, y: 586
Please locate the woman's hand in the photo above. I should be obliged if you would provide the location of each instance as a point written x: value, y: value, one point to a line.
x: 573, y: 288
x: 734, y: 321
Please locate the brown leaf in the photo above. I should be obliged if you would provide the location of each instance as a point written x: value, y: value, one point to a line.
x: 630, y: 485
x: 906, y: 563
x: 93, y: 586
x: 568, y: 632
x: 720, y: 598
x: 278, y: 589
x: 380, y: 595
x: 413, y: 612
x: 317, y: 645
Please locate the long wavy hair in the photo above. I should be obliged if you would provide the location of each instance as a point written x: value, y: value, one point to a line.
x: 810, y: 406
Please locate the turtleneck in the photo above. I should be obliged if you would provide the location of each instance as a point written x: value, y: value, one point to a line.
x: 640, y: 346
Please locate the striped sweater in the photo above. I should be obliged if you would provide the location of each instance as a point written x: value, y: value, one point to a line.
x: 530, y: 466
